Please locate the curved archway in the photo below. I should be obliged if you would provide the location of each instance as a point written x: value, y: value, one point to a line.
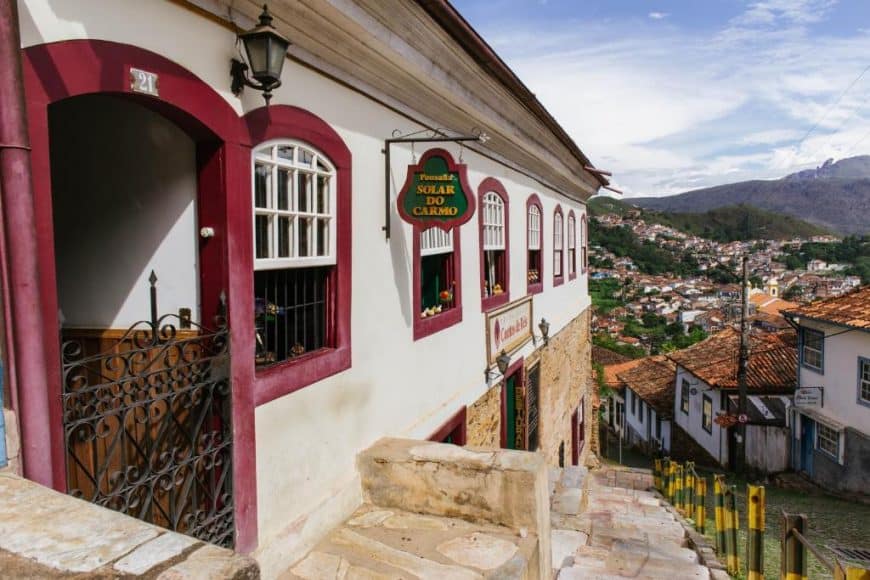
x: 60, y: 71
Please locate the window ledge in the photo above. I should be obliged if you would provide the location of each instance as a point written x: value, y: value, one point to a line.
x: 817, y: 370
x: 424, y: 327
x: 291, y: 375
x: 535, y: 288
x: 494, y: 301
x: 558, y: 280
x: 572, y: 276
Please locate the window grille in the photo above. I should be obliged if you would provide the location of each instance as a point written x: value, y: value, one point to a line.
x: 294, y: 250
x: 534, y: 228
x: 493, y: 222
x: 532, y: 398
x: 684, y: 396
x: 557, y: 244
x: 828, y: 440
x: 435, y: 241
x: 707, y: 415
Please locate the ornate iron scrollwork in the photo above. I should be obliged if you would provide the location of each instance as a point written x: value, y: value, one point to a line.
x: 147, y: 425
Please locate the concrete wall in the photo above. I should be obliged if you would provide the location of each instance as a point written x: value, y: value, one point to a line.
x: 124, y: 189
x: 767, y: 448
x: 854, y: 473
x: 306, y: 441
x: 715, y: 442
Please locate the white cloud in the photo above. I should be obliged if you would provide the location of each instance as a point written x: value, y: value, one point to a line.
x: 669, y: 110
x: 658, y: 15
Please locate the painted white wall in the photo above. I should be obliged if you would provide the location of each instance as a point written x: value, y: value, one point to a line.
x: 645, y: 431
x: 714, y: 442
x: 840, y: 377
x: 124, y: 187
x: 307, y: 441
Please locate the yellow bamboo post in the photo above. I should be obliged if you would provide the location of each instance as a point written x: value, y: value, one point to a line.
x: 672, y: 472
x: 678, y: 489
x: 719, y: 512
x: 793, y: 559
x: 755, y: 505
x: 731, y: 527
x: 689, y: 490
x: 701, y: 504
x: 849, y: 571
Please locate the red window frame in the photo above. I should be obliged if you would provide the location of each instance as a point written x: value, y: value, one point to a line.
x: 535, y: 287
x: 490, y: 184
x: 294, y: 124
x: 424, y: 327
x: 456, y: 426
x: 572, y: 252
x: 584, y: 246
x: 560, y: 279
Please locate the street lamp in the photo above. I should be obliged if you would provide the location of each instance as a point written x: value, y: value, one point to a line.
x: 502, y: 362
x: 266, y: 49
x: 544, y: 327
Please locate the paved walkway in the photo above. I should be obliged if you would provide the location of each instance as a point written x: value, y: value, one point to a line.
x: 618, y: 529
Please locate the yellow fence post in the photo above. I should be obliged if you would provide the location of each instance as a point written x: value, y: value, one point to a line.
x: 672, y: 472
x: 719, y: 512
x: 793, y: 559
x: 678, y: 489
x: 732, y: 563
x: 701, y: 504
x: 755, y: 505
x: 689, y: 490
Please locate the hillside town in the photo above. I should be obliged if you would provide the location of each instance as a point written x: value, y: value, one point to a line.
x: 323, y: 291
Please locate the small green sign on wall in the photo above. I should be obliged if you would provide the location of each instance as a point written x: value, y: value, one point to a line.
x: 436, y: 192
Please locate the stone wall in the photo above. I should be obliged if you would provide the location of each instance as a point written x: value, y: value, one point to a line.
x: 483, y: 420
x: 566, y: 375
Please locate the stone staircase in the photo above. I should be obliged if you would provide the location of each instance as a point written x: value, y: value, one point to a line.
x: 618, y: 529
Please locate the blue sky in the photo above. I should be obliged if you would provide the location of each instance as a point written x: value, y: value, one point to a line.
x: 673, y: 95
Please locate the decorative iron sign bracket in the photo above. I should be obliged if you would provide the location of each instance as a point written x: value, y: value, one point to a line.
x: 425, y: 136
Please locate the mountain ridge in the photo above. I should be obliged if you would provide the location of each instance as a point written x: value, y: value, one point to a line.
x: 834, y: 196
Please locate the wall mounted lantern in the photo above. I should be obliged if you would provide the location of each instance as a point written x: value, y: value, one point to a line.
x: 266, y: 49
x: 503, y: 361
x: 544, y: 327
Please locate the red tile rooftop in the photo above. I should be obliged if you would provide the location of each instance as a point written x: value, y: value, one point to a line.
x: 851, y: 309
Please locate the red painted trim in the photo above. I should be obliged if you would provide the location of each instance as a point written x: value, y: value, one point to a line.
x: 572, y: 262
x: 558, y: 280
x: 460, y: 168
x: 491, y: 184
x: 536, y: 287
x: 584, y: 248
x: 515, y: 368
x: 457, y: 421
x: 424, y: 327
x: 293, y: 123
x: 57, y: 71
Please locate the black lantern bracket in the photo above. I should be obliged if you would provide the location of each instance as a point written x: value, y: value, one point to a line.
x: 266, y: 49
x: 502, y: 362
x: 423, y: 136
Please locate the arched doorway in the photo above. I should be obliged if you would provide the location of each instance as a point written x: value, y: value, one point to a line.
x: 122, y: 183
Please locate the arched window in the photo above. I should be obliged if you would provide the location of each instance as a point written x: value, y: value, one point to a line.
x: 294, y: 250
x: 572, y: 246
x: 584, y: 243
x: 494, y: 244
x: 534, y: 244
x: 558, y: 247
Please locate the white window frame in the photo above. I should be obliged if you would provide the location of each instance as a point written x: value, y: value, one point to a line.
x: 819, y: 351
x: 493, y: 222
x: 572, y: 244
x: 534, y: 228
x: 435, y: 241
x: 266, y: 154
x: 827, y: 438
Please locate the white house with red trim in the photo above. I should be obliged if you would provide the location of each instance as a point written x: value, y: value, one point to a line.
x: 298, y: 317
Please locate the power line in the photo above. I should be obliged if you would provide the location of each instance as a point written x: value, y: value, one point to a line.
x: 834, y: 105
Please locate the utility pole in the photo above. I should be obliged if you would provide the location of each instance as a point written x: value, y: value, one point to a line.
x: 742, y: 373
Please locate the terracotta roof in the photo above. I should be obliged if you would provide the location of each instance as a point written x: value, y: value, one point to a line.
x: 851, y: 309
x: 611, y: 371
x: 771, y: 305
x: 653, y: 381
x: 772, y: 360
x: 605, y: 356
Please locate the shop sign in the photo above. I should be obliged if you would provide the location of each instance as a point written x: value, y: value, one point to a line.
x: 508, y: 328
x: 436, y: 192
x: 808, y: 397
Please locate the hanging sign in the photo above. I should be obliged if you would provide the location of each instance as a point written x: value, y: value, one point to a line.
x: 436, y: 192
x: 508, y: 328
x: 808, y: 397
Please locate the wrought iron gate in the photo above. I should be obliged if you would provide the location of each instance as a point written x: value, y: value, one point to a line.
x: 147, y: 424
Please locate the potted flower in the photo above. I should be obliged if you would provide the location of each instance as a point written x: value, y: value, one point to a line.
x: 445, y: 296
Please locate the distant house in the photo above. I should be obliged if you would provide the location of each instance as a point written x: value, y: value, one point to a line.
x: 706, y: 376
x: 649, y: 402
x: 831, y: 439
x: 816, y: 266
